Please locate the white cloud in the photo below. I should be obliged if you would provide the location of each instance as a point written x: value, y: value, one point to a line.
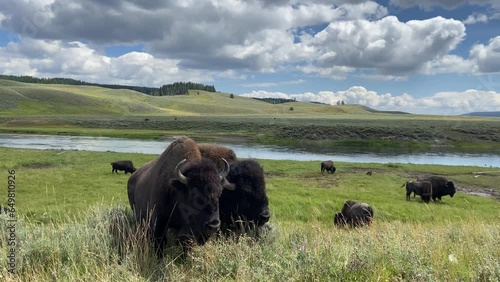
x: 45, y: 58
x: 448, y: 103
x: 229, y: 38
x: 486, y: 58
x: 450, y: 64
x: 448, y: 4
x: 476, y: 18
x: 388, y: 46
x: 273, y: 84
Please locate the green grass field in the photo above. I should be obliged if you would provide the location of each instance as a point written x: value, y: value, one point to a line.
x: 66, y: 202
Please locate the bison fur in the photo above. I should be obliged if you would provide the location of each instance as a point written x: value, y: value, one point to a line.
x: 328, y: 166
x: 421, y: 188
x: 354, y: 214
x: 179, y: 191
x: 440, y: 186
x: 125, y: 165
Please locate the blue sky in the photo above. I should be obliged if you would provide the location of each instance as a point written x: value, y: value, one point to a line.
x: 429, y: 56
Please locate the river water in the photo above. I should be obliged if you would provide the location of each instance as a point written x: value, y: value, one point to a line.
x: 343, y: 154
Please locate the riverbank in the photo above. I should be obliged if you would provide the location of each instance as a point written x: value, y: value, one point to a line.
x: 384, y: 131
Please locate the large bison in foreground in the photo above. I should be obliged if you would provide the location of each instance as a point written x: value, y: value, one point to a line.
x: 421, y: 188
x: 328, y: 166
x: 245, y: 205
x: 179, y: 191
x: 354, y: 214
x: 126, y: 165
x: 440, y: 186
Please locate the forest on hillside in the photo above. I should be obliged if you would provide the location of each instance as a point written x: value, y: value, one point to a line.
x: 177, y: 88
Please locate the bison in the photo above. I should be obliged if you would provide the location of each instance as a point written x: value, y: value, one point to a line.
x: 180, y: 191
x: 354, y: 214
x: 421, y: 188
x: 248, y: 202
x: 440, y: 186
x: 126, y: 166
x: 328, y: 166
x: 216, y: 152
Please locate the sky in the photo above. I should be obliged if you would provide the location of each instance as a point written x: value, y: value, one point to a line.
x: 426, y: 57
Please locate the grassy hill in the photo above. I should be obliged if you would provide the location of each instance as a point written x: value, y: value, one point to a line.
x: 39, y: 99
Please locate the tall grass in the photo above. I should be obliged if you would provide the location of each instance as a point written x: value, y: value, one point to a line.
x: 103, y: 244
x: 75, y: 225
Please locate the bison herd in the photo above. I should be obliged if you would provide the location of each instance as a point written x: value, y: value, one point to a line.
x: 199, y: 190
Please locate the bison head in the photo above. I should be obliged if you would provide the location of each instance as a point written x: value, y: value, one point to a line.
x: 198, y: 187
x: 248, y: 201
x: 451, y: 188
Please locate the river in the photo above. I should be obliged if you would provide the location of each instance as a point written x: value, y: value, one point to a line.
x: 342, y: 154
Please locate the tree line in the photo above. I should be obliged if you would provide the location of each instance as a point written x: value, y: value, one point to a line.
x: 181, y: 88
x: 177, y: 88
x: 276, y: 100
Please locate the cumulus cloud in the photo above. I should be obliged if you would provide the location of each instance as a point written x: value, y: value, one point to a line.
x: 389, y: 46
x: 486, y: 57
x: 476, y: 18
x: 449, y: 103
x: 273, y: 84
x: 448, y: 4
x: 44, y: 58
x: 328, y: 38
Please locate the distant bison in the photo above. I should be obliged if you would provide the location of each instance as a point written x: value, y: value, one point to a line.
x: 126, y: 166
x: 180, y: 191
x: 246, y: 204
x: 328, y: 166
x: 421, y: 188
x: 440, y: 186
x: 354, y: 214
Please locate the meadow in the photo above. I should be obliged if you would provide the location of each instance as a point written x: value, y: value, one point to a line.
x: 74, y: 224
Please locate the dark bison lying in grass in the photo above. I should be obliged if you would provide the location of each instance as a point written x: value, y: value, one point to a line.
x: 354, y: 214
x: 421, y: 188
x: 126, y: 166
x: 328, y: 166
x: 246, y: 204
x: 440, y: 186
x: 179, y: 190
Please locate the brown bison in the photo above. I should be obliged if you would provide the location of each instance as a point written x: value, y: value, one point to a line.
x: 179, y: 190
x: 125, y: 165
x: 247, y: 205
x: 216, y: 152
x: 328, y: 166
x: 421, y: 188
x: 354, y: 214
x: 440, y: 186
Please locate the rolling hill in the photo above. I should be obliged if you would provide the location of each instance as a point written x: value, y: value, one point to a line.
x: 46, y: 99
x: 483, y: 114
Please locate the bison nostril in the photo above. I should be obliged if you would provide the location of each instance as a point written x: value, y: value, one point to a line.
x: 213, y: 225
x: 265, y: 215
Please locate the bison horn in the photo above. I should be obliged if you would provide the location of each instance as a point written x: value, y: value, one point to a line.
x: 224, y: 172
x: 226, y: 184
x: 180, y: 177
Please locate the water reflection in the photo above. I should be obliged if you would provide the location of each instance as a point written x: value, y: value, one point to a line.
x: 337, y: 153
